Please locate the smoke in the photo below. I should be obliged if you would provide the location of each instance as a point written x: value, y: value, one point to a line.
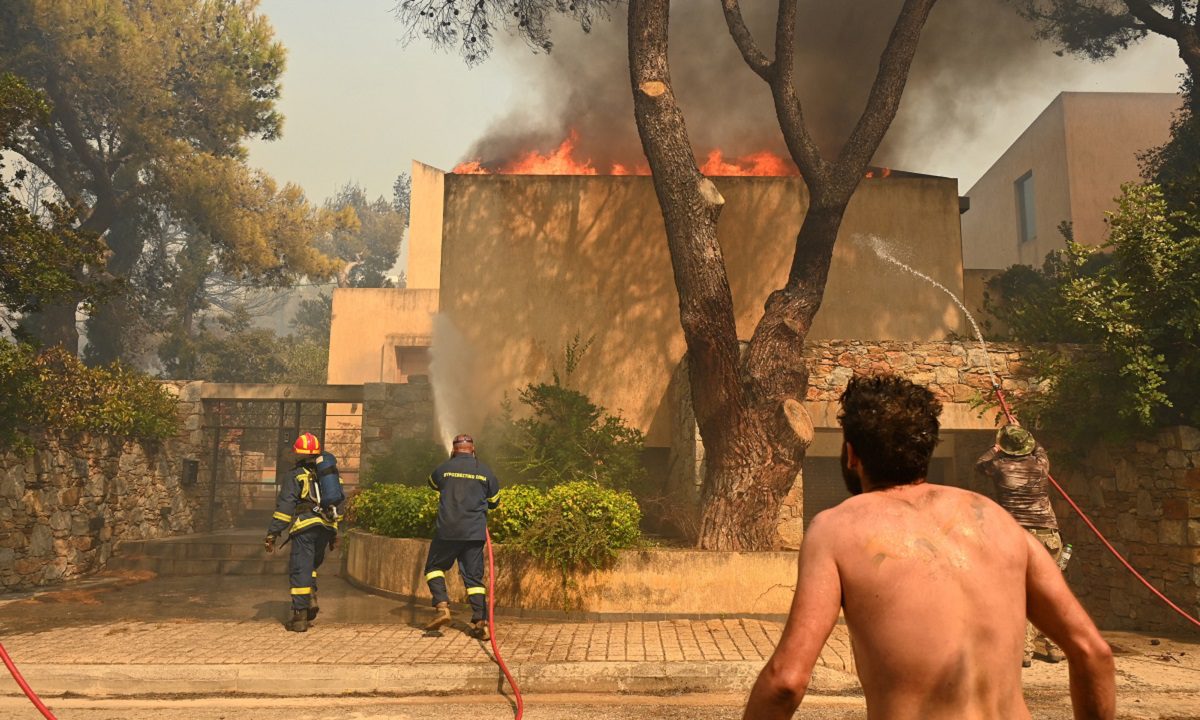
x: 974, y: 56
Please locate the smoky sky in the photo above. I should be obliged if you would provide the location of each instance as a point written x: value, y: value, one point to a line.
x: 973, y: 57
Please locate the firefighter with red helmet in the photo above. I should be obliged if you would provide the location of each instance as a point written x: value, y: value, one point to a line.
x: 467, y: 489
x: 312, y: 526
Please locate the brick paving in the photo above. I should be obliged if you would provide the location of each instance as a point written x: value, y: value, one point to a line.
x: 192, y: 642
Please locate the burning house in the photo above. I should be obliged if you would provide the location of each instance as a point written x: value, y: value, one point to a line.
x: 505, y: 269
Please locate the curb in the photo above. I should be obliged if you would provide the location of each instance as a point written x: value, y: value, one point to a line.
x: 441, y: 678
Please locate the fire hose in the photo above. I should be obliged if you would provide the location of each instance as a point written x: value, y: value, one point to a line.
x: 491, y: 618
x: 29, y: 693
x: 1091, y: 526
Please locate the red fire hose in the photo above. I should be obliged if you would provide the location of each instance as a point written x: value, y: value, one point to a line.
x: 491, y: 610
x: 1088, y: 521
x: 29, y: 693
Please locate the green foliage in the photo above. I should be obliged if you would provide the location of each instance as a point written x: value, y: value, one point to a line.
x: 1175, y: 166
x: 395, y: 510
x: 369, y: 249
x: 52, y: 390
x: 575, y: 526
x: 1094, y: 29
x: 580, y: 526
x: 234, y: 351
x: 408, y: 461
x: 566, y: 437
x: 41, y: 259
x: 520, y: 506
x: 1139, y: 308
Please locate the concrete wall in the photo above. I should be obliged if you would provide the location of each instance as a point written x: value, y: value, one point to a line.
x: 67, y: 507
x: 1145, y: 497
x: 658, y: 581
x: 368, y: 326
x: 529, y: 261
x: 1081, y: 149
x: 425, y: 227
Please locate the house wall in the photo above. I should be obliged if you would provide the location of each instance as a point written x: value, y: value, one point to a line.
x: 529, y: 262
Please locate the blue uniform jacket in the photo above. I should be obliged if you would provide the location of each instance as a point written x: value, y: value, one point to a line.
x: 293, y: 512
x: 468, y: 489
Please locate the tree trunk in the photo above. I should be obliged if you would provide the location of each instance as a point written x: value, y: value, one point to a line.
x: 55, y: 325
x: 748, y: 476
x: 109, y: 329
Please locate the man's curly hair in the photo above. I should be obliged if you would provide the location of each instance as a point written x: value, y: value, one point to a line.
x: 892, y: 425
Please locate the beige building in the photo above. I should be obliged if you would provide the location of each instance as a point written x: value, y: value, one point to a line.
x: 505, y: 270
x: 520, y: 265
x: 1068, y: 166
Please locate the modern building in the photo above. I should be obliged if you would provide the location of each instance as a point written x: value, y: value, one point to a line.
x: 1068, y: 166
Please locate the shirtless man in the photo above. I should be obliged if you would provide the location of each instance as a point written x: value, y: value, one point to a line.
x: 935, y: 583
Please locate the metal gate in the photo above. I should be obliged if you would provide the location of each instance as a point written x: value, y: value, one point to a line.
x: 249, y: 431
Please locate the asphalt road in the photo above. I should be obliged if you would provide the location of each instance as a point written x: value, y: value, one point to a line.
x: 1044, y: 706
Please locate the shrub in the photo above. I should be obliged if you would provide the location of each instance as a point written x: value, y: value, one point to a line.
x: 53, y: 390
x: 395, y: 510
x: 408, y: 461
x: 562, y: 436
x: 520, y: 506
x: 582, y: 525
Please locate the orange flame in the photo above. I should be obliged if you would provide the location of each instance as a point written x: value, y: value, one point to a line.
x: 562, y: 161
x: 763, y: 164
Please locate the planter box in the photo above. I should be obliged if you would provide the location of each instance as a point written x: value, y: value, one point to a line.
x: 666, y: 582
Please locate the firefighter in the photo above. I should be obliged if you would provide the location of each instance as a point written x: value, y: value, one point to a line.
x: 311, y: 528
x: 468, y: 489
x: 1020, y: 469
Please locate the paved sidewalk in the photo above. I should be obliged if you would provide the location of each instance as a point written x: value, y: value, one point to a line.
x: 220, y: 636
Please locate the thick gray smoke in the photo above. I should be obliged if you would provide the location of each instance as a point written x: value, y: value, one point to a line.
x: 974, y: 55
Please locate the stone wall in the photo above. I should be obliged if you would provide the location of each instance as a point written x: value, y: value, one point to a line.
x: 392, y: 411
x: 66, y: 507
x: 955, y: 371
x: 1145, y: 497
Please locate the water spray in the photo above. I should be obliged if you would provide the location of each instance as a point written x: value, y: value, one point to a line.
x: 878, y: 245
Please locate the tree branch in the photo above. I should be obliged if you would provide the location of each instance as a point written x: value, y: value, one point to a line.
x: 801, y: 146
x: 102, y: 183
x: 884, y: 99
x: 1153, y: 20
x: 754, y: 57
x: 691, y: 206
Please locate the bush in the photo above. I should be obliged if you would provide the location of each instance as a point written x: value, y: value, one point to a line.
x: 574, y: 526
x: 53, y: 390
x: 1136, y: 304
x: 520, y: 506
x: 408, y: 461
x: 582, y: 525
x: 395, y: 510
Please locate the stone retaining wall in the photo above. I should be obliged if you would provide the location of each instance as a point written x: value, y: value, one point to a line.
x: 1145, y: 497
x: 66, y: 507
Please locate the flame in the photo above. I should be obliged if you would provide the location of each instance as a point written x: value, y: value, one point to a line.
x: 562, y: 161
x: 763, y: 163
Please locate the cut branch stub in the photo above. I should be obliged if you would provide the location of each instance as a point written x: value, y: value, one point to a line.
x: 799, y: 420
x: 653, y: 88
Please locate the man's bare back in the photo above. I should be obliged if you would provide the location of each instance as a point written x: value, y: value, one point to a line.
x: 933, y: 585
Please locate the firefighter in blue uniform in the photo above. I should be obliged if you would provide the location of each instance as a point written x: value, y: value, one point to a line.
x: 468, y: 489
x: 311, y: 529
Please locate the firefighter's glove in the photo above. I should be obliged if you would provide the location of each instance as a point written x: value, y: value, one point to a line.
x: 269, y: 542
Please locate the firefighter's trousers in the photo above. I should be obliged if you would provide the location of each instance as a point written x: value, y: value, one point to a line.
x: 308, y: 552
x: 469, y: 554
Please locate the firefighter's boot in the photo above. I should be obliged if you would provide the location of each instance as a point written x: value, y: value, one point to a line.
x: 441, y: 619
x: 313, y: 609
x: 299, y: 621
x: 481, y: 630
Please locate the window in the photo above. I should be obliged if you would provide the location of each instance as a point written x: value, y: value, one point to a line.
x: 1026, y: 210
